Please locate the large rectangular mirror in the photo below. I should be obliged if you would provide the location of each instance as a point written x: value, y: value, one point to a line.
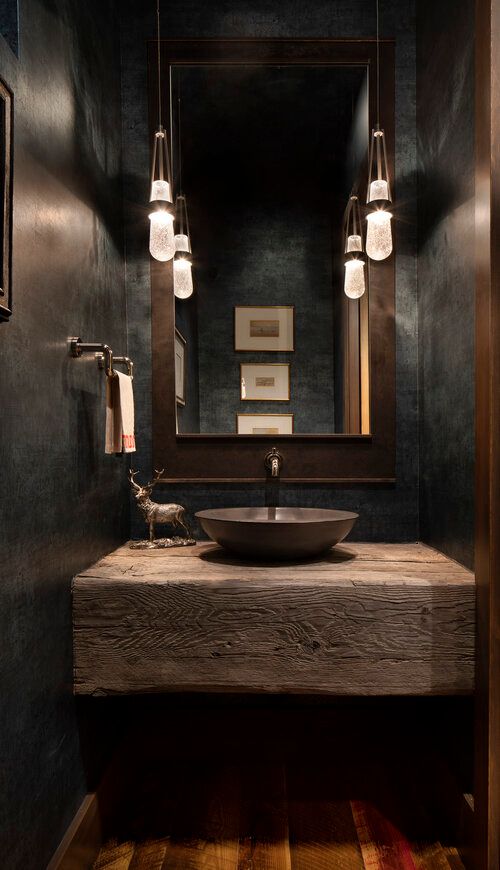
x: 269, y: 139
x: 267, y: 156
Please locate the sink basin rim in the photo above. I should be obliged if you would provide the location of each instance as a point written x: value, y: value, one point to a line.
x: 285, y: 515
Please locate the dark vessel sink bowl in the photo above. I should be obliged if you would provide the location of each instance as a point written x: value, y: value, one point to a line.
x: 276, y: 533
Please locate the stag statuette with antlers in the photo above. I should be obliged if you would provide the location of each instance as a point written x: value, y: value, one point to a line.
x: 155, y: 512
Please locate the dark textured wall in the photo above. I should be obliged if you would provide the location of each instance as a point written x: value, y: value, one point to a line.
x: 63, y: 503
x: 267, y: 192
x: 446, y: 274
x: 9, y: 23
x: 386, y: 513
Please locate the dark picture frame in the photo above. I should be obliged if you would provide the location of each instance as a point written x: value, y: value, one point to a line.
x: 181, y: 398
x: 6, y: 127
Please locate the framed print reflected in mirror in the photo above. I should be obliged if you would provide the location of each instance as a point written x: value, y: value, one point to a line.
x: 265, y: 382
x: 264, y: 424
x: 264, y: 328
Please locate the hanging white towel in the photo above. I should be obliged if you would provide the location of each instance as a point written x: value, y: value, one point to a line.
x: 120, y: 437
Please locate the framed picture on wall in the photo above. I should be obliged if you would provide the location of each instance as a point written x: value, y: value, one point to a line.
x: 264, y: 327
x: 180, y: 368
x: 5, y: 201
x: 269, y: 382
x: 264, y: 424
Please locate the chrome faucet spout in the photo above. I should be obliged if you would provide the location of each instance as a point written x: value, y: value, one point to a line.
x: 273, y: 462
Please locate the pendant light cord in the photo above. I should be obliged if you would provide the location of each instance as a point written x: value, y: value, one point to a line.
x: 378, y: 68
x: 179, y: 147
x: 159, y: 59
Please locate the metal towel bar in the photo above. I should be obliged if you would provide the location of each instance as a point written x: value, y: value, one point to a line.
x: 103, y: 355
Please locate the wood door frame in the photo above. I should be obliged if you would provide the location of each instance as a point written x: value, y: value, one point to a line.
x: 487, y: 225
x: 329, y: 458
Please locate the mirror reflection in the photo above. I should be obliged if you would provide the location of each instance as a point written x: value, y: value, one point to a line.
x: 268, y: 343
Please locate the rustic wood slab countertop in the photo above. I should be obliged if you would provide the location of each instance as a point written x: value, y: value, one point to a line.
x: 363, y: 619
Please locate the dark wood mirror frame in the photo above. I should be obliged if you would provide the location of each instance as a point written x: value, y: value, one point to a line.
x: 333, y: 458
x: 6, y: 101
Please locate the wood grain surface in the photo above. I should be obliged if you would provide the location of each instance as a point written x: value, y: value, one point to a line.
x: 232, y: 815
x: 369, y: 619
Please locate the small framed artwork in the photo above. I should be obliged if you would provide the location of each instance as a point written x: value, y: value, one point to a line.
x: 5, y: 201
x: 269, y: 382
x: 180, y: 368
x: 264, y: 424
x: 264, y: 327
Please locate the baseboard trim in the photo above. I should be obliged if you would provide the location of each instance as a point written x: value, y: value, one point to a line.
x: 80, y: 845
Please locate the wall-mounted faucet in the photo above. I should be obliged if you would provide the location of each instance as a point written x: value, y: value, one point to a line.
x: 273, y: 462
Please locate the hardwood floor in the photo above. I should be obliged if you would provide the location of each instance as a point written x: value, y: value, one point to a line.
x: 286, y: 784
x: 272, y: 816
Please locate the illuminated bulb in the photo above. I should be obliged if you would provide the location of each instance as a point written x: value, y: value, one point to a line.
x: 379, y: 189
x: 160, y: 190
x: 161, y: 236
x: 183, y: 279
x: 182, y: 243
x: 354, y: 283
x: 354, y: 244
x: 379, y: 235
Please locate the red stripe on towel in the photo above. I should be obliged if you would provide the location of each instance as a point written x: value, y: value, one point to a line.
x: 128, y: 441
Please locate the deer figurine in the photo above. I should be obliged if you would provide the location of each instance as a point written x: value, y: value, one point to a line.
x: 154, y: 512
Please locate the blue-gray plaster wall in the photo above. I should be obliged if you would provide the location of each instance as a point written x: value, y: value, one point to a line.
x: 446, y: 280
x: 63, y: 503
x: 385, y: 513
x: 9, y: 23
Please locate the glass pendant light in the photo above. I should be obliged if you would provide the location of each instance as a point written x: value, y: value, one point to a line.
x: 183, y: 275
x: 354, y: 280
x: 183, y: 278
x: 161, y: 231
x: 379, y: 235
x: 379, y: 231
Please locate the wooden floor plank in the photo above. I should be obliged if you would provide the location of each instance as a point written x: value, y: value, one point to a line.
x: 115, y: 856
x: 149, y: 855
x: 323, y: 836
x: 322, y: 830
x: 205, y: 827
x: 383, y: 845
x: 431, y: 856
x: 264, y: 841
x: 454, y: 859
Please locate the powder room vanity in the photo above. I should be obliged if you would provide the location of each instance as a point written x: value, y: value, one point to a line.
x: 366, y: 619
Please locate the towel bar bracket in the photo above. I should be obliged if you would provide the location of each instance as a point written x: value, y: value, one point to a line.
x: 125, y: 360
x: 102, y: 353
